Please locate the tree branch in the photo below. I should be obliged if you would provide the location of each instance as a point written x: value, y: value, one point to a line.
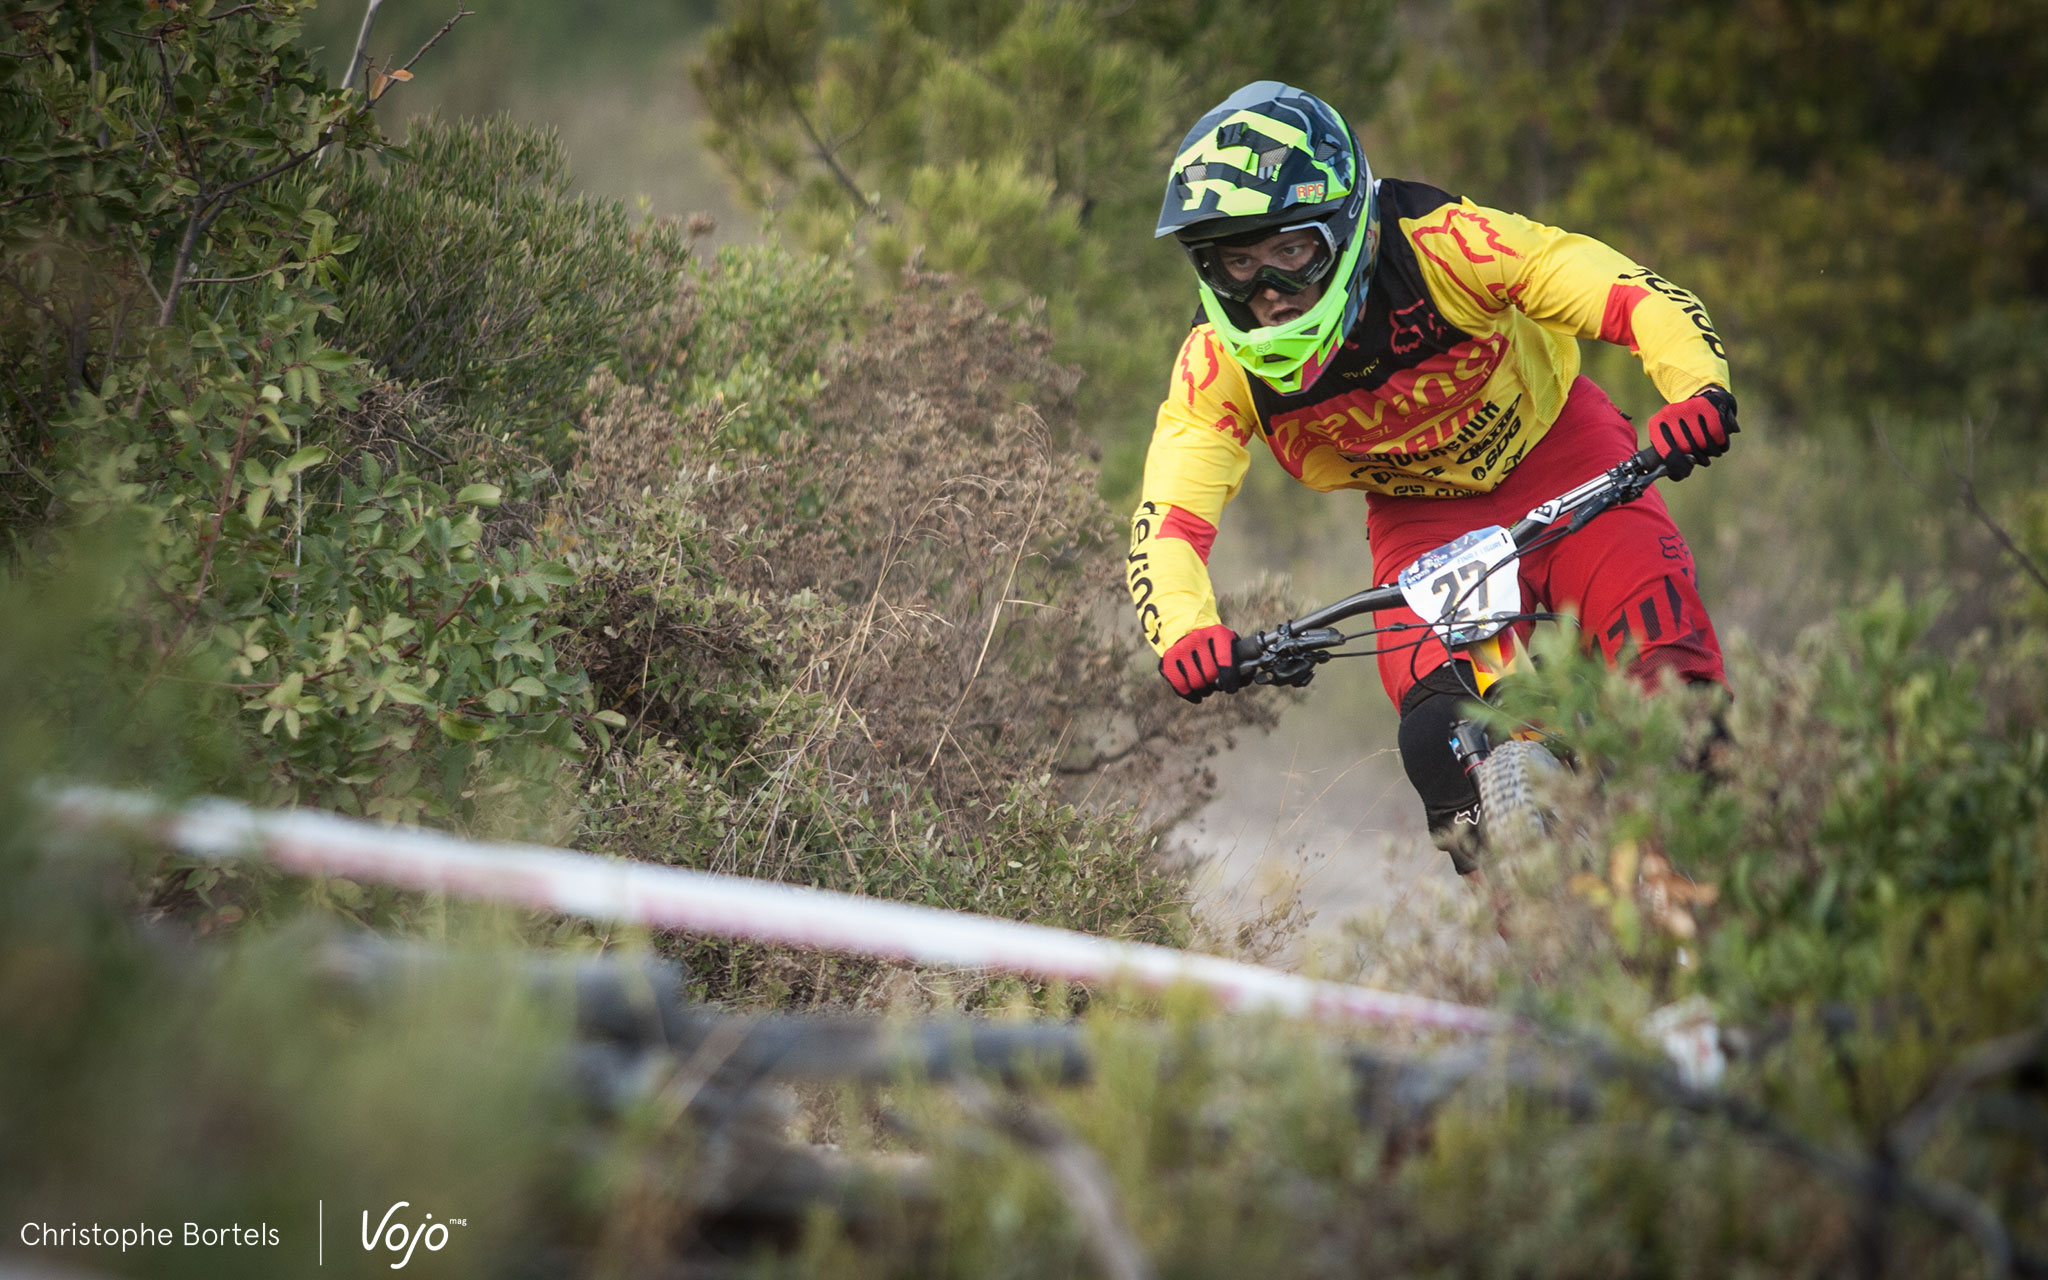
x: 208, y: 207
x: 1967, y: 489
x: 826, y: 154
x: 142, y: 265
x: 446, y: 27
x: 1077, y: 1170
x: 355, y: 60
x: 171, y: 110
x: 253, y: 275
x: 243, y: 437
x: 1102, y: 760
x: 434, y: 632
x: 278, y: 265
x: 1988, y: 1060
x: 20, y: 463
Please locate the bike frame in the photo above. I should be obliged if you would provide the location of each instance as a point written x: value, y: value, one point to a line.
x: 1289, y: 653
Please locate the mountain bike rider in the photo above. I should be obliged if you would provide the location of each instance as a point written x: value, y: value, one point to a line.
x: 1386, y: 336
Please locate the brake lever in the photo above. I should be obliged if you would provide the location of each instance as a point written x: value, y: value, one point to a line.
x: 1293, y: 671
x: 1584, y: 514
x: 1642, y: 471
x: 1290, y: 660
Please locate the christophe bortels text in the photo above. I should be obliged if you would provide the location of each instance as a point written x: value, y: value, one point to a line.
x: 143, y: 1236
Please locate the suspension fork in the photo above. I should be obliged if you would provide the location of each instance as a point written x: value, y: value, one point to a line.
x: 1491, y: 659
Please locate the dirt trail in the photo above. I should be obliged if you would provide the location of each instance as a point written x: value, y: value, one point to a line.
x: 1317, y: 810
x: 1321, y: 806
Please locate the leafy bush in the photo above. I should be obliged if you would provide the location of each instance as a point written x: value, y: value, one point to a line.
x: 753, y: 341
x: 481, y: 278
x: 1868, y: 792
x: 310, y: 532
x: 116, y: 226
x: 848, y: 640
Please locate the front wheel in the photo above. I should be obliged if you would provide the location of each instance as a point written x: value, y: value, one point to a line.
x: 1511, y: 811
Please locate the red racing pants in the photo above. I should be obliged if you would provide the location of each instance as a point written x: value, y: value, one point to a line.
x: 1628, y: 574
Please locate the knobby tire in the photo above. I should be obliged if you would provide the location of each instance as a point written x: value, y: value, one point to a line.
x: 1512, y: 813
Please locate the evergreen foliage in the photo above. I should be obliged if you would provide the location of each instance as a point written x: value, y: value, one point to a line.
x: 484, y: 280
x: 172, y: 321
x: 1852, y: 188
x: 1021, y: 145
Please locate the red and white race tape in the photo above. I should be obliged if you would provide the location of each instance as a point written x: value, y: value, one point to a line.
x: 315, y: 843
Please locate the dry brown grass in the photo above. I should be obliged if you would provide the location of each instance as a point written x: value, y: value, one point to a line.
x: 890, y: 654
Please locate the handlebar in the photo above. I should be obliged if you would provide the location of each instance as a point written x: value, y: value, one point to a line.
x: 1290, y: 652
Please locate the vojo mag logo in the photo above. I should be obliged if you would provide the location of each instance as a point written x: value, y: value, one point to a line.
x: 398, y: 1236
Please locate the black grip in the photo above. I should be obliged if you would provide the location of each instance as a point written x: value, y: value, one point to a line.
x: 1245, y: 648
x: 1647, y: 460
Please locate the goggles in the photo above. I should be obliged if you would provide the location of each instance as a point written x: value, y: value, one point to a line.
x: 1210, y: 257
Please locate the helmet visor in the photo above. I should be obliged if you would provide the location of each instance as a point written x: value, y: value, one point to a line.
x: 1236, y: 269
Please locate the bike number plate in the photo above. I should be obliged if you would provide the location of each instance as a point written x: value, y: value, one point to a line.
x: 1467, y: 590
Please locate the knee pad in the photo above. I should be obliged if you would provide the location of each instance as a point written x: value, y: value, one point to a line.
x: 1436, y: 703
x: 1450, y: 798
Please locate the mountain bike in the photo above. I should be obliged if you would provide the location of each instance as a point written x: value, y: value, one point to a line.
x: 1471, y: 604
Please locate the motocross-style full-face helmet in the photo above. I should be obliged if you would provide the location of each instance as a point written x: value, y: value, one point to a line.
x: 1267, y: 159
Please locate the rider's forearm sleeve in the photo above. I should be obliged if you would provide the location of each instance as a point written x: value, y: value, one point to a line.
x: 1193, y: 468
x: 1478, y: 261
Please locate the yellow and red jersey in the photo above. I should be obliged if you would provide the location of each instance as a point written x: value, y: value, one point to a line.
x: 1457, y: 366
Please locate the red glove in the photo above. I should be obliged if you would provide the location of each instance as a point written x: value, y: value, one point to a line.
x: 1200, y: 662
x: 1694, y: 430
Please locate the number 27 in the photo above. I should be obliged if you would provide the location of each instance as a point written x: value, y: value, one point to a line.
x: 1448, y: 584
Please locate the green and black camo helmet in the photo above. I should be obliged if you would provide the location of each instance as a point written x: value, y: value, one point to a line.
x: 1267, y: 159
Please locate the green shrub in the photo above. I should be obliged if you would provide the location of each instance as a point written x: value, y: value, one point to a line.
x: 758, y: 325
x: 309, y: 535
x: 1866, y: 789
x: 481, y: 278
x: 131, y: 207
x: 1734, y: 148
